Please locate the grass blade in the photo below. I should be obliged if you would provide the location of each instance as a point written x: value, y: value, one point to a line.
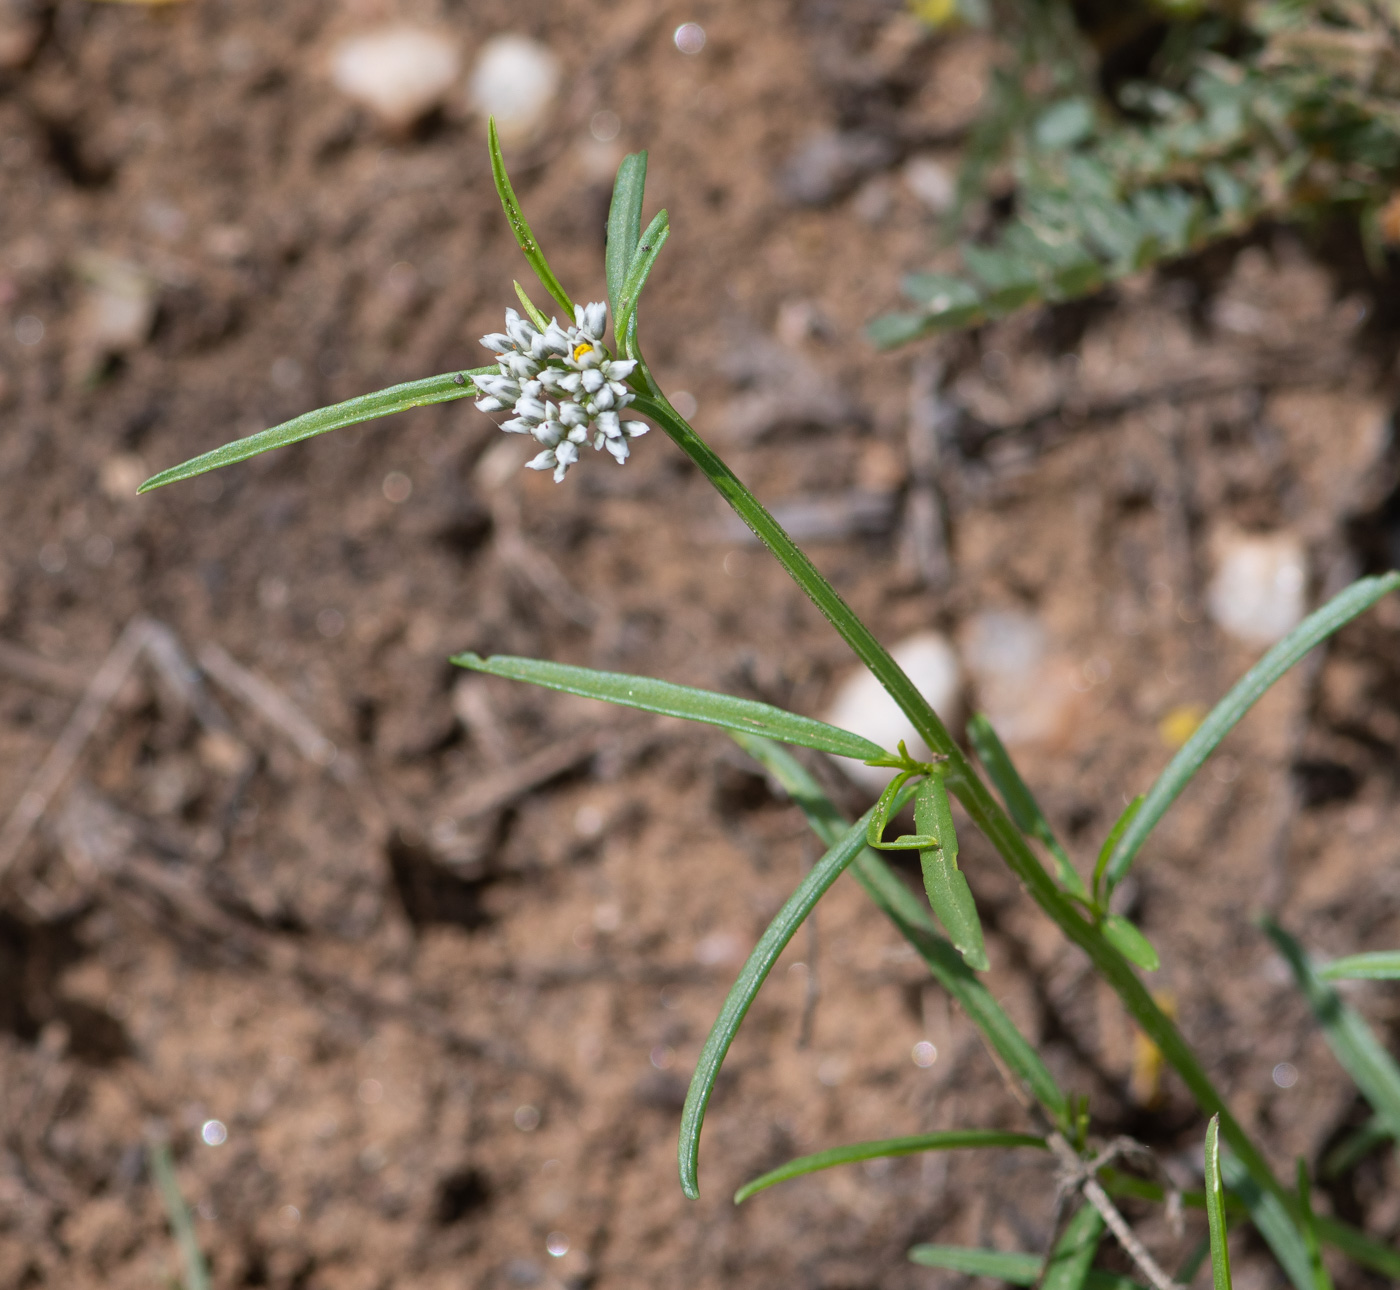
x: 1020, y: 801
x: 1068, y: 1265
x: 1015, y: 1269
x: 1382, y: 965
x: 944, y: 883
x: 672, y: 700
x: 638, y: 271
x: 1319, y: 1270
x: 364, y: 407
x: 885, y: 1148
x: 1267, y: 1213
x: 520, y: 226
x: 1348, y: 1036
x: 1215, y: 1209
x: 741, y: 995
x: 181, y: 1224
x: 624, y: 226
x: 1110, y: 843
x: 1312, y: 631
x: 911, y: 917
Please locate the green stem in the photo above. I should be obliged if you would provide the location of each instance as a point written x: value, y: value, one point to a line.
x: 964, y: 782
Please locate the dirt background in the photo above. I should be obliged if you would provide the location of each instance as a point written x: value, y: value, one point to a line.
x: 440, y: 952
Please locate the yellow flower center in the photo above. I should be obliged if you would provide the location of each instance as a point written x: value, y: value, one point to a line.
x: 582, y: 348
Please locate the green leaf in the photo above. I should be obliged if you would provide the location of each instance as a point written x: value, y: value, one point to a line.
x: 755, y: 971
x: 520, y: 226
x: 1015, y: 1269
x: 1129, y: 942
x: 941, y: 293
x: 181, y: 1224
x: 1020, y: 801
x: 1381, y: 965
x: 944, y: 883
x: 638, y: 271
x: 1215, y: 1209
x: 889, y: 331
x: 365, y: 407
x: 1319, y: 1270
x: 624, y: 225
x: 911, y: 917
x: 1267, y: 1213
x: 1110, y: 843
x: 951, y: 1140
x: 1064, y: 124
x: 1073, y: 1255
x: 1349, y: 1037
x: 880, y: 818
x: 1010, y: 279
x: 672, y: 700
x: 1314, y: 629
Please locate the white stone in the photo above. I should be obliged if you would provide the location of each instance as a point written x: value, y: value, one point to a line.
x: 1025, y: 690
x: 863, y: 706
x: 1257, y: 593
x: 400, y: 73
x: 514, y: 80
x: 931, y: 182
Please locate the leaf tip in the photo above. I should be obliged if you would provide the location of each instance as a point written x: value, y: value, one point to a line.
x: 468, y: 658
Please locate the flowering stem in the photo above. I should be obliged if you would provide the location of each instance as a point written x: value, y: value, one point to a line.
x: 961, y: 778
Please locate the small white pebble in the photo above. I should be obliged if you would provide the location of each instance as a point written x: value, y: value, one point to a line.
x: 400, y: 73
x: 515, y: 80
x: 1257, y: 593
x: 214, y: 1133
x: 1285, y: 1074
x: 864, y: 707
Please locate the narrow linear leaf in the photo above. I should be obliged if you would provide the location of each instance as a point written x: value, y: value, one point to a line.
x: 178, y: 1214
x: 951, y: 1140
x: 520, y: 226
x: 624, y: 225
x: 1129, y: 942
x: 1381, y: 965
x: 1319, y: 1270
x: 741, y: 995
x: 1215, y: 1209
x: 1267, y: 1214
x: 672, y: 700
x: 1312, y: 631
x: 365, y: 407
x: 1015, y: 1269
x: 1110, y: 843
x: 912, y: 919
x: 944, y: 883
x: 638, y: 271
x: 535, y: 312
x: 1348, y: 1036
x: 1020, y: 801
x: 1068, y: 1266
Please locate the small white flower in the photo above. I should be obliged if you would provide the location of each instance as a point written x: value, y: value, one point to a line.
x: 563, y: 387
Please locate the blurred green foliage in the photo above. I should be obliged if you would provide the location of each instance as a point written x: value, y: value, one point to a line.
x: 1279, y: 109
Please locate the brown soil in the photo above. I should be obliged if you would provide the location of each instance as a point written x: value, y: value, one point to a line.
x: 440, y: 951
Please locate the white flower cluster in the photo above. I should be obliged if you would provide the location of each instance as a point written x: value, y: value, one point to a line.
x: 562, y: 387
